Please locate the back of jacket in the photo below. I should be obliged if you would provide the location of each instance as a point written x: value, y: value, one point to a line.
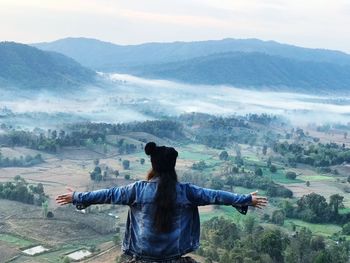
x: 141, y: 237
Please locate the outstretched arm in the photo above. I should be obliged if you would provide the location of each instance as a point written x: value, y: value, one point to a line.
x: 124, y: 195
x: 203, y: 196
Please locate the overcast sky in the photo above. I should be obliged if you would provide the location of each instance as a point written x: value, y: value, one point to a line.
x: 308, y: 23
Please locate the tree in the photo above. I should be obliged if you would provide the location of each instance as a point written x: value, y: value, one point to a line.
x: 223, y: 156
x: 126, y: 164
x: 278, y: 217
x: 336, y: 202
x: 127, y: 176
x: 264, y: 149
x: 291, y: 175
x: 105, y: 148
x: 269, y: 162
x: 307, y: 183
x: 346, y: 229
x: 249, y: 223
x: 258, y: 171
x: 313, y: 208
x: 216, y: 184
x: 230, y: 181
x: 201, y: 165
x: 96, y: 174
x: 273, y: 243
x: 45, y: 207
x: 142, y: 161
x: 273, y: 168
x: 225, y: 258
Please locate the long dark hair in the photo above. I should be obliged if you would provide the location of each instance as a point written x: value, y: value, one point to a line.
x: 163, y: 161
x: 165, y: 199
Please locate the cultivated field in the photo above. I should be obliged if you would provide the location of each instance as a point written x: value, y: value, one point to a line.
x: 23, y: 226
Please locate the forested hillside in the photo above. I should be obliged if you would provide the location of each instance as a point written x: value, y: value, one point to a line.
x: 254, y: 70
x: 248, y: 63
x: 25, y: 66
x: 107, y: 56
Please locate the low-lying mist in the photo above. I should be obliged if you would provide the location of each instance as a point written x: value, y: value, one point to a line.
x: 124, y: 98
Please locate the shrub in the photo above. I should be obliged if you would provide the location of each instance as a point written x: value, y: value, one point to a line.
x: 273, y: 168
x: 126, y: 164
x: 291, y: 175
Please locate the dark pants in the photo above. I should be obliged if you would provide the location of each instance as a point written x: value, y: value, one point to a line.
x: 129, y: 259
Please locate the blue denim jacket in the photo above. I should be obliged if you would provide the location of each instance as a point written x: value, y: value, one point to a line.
x: 141, y: 239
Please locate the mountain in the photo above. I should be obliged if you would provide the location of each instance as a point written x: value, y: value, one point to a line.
x: 108, y: 57
x: 254, y: 70
x: 26, y: 66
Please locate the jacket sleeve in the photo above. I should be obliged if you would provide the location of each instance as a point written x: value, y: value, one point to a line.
x: 203, y: 196
x: 124, y: 195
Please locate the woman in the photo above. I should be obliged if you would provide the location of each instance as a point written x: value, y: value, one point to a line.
x: 163, y: 220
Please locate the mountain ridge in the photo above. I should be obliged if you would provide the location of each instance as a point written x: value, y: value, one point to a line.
x: 253, y: 70
x: 109, y: 57
x: 29, y: 67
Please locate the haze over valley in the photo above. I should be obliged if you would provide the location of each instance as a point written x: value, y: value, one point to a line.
x: 244, y: 115
x: 46, y: 88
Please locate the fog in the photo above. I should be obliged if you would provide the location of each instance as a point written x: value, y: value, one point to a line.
x: 124, y: 98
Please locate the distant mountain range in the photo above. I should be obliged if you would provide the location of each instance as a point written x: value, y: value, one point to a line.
x: 25, y: 66
x: 254, y: 70
x: 106, y: 56
x: 238, y: 62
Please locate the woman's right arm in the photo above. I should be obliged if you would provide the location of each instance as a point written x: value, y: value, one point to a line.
x: 124, y: 195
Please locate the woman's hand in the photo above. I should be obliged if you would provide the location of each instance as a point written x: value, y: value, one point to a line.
x: 65, y: 198
x: 258, y: 201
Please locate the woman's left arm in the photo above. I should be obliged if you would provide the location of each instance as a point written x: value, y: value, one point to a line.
x: 204, y: 196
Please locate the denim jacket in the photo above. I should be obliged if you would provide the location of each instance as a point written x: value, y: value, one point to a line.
x: 141, y: 239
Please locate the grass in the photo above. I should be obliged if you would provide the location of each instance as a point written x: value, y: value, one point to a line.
x: 279, y: 177
x: 344, y: 211
x: 195, y: 156
x: 318, y: 177
x: 320, y: 229
x: 17, y: 241
x: 252, y: 160
x: 228, y: 212
x: 57, y: 255
x: 205, y: 216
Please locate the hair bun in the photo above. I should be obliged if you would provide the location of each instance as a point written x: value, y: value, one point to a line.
x: 150, y: 148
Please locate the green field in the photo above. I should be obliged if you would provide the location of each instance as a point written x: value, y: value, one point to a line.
x: 313, y: 178
x: 279, y: 177
x: 194, y: 156
x: 320, y: 229
x: 57, y: 255
x: 253, y: 160
x: 17, y: 241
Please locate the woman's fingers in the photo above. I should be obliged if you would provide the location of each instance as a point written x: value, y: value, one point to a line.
x: 258, y: 201
x: 64, y: 199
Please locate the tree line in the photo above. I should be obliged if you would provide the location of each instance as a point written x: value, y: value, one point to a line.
x: 317, y: 155
x: 19, y: 190
x: 224, y: 241
x: 26, y: 161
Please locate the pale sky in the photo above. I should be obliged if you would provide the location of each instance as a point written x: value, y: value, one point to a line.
x: 308, y: 23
